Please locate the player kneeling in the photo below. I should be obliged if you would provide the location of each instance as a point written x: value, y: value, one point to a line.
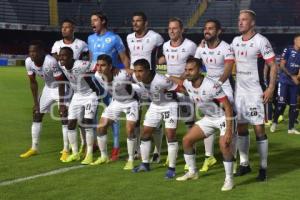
x: 218, y: 114
x: 117, y: 83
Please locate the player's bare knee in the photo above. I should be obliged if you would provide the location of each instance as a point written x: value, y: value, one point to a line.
x: 187, y: 142
x: 72, y: 124
x: 37, y: 117
x: 88, y: 123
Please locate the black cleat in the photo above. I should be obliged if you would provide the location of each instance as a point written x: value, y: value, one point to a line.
x: 262, y: 175
x: 243, y: 170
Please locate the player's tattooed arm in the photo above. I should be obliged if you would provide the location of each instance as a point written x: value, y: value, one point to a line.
x: 34, y: 90
x: 268, y: 93
x: 228, y: 65
x: 125, y: 60
x: 180, y: 88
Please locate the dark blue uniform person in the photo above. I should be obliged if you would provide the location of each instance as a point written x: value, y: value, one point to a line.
x: 288, y: 85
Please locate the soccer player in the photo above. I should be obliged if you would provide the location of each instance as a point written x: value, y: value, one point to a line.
x: 164, y: 107
x: 218, y: 114
x: 175, y: 53
x: 80, y: 51
x: 288, y: 85
x: 145, y: 43
x: 107, y: 42
x: 41, y: 64
x: 78, y: 46
x: 83, y: 105
x: 217, y: 56
x: 117, y: 82
x: 251, y: 51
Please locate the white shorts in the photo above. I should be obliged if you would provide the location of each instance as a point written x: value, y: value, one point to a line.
x: 168, y: 112
x: 83, y: 106
x: 226, y: 87
x: 115, y: 108
x: 250, y: 109
x: 48, y: 97
x: 209, y: 125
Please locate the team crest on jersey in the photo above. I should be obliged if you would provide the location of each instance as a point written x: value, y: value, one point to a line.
x: 108, y: 40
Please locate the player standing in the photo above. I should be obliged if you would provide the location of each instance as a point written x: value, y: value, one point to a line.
x: 251, y: 51
x: 107, y: 42
x: 45, y: 66
x: 217, y: 56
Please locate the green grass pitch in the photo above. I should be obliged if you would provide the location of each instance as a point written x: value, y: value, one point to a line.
x: 110, y: 181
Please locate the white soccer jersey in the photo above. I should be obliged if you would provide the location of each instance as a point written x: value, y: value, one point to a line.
x: 120, y: 88
x: 176, y: 56
x: 76, y: 77
x: 214, y: 59
x: 159, y: 90
x: 206, y: 97
x: 49, y: 71
x: 249, y: 73
x: 143, y: 47
x: 78, y: 46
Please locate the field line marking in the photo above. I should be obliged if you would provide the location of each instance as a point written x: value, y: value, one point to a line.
x: 50, y: 173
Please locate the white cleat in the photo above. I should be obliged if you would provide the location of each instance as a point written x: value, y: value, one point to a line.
x: 293, y: 131
x: 273, y: 128
x: 228, y: 185
x: 188, y: 176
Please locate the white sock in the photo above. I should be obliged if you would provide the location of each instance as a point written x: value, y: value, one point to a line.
x: 228, y: 166
x: 65, y: 137
x: 89, y: 135
x: 172, y: 153
x: 234, y: 145
x: 137, y: 133
x: 190, y: 160
x: 262, y: 148
x: 209, y: 145
x: 36, y: 128
x: 72, y: 135
x: 102, y: 144
x: 243, y: 147
x: 82, y: 135
x: 157, y: 139
x: 131, y: 143
x: 145, y: 150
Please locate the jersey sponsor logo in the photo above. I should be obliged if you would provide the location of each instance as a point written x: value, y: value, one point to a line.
x: 108, y: 40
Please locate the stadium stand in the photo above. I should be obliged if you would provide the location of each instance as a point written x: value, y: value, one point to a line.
x: 24, y: 11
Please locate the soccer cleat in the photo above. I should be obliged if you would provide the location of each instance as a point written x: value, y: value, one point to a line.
x: 262, y: 175
x: 101, y: 160
x: 280, y: 118
x: 155, y: 158
x: 128, y: 165
x: 208, y: 162
x: 243, y: 170
x: 29, y: 153
x: 273, y: 128
x: 87, y: 160
x: 188, y: 176
x: 293, y: 131
x: 170, y: 174
x: 268, y: 123
x: 115, y: 154
x: 64, y: 155
x: 72, y: 157
x: 186, y: 167
x: 143, y: 167
x: 228, y: 185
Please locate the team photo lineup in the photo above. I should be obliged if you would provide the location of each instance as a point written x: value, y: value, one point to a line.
x: 215, y: 89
